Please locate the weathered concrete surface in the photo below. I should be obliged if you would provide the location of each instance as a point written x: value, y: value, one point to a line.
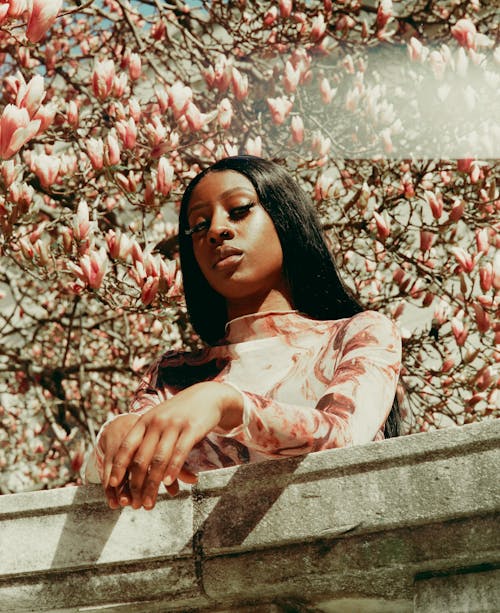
x: 470, y: 592
x: 371, y: 529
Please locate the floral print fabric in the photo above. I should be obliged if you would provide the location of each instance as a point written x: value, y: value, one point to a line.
x: 307, y: 385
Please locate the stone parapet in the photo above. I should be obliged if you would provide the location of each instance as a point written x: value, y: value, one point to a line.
x: 408, y: 524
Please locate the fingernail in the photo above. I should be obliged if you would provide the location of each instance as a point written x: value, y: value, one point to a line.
x: 148, y: 503
x: 124, y: 501
x: 113, y: 482
x: 168, y: 480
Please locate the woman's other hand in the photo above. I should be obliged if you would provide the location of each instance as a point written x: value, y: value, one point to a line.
x: 156, y: 447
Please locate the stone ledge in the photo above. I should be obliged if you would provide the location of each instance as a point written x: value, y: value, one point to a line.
x: 342, y: 530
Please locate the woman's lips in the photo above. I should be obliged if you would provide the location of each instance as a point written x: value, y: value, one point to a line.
x: 226, y: 253
x: 228, y: 262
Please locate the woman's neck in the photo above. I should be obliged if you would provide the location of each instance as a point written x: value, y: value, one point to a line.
x: 275, y: 300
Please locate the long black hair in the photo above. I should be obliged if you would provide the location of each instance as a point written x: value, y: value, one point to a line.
x: 308, y: 266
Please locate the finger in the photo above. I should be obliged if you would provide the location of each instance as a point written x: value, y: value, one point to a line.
x: 108, y: 443
x: 158, y: 465
x: 139, y: 467
x: 125, y: 453
x: 173, y: 489
x: 111, y: 497
x: 123, y: 493
x: 183, y: 446
x: 187, y: 476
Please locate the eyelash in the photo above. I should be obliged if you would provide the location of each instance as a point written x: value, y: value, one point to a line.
x: 239, y: 211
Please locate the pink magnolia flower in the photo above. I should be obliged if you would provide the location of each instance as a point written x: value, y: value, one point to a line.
x: 426, y: 240
x: 496, y: 271
x: 386, y: 137
x: 46, y: 168
x: 326, y: 91
x: 383, y: 226
x: 486, y: 277
x: 482, y: 319
x: 280, y: 108
x: 225, y: 113
x: 119, y: 84
x: 465, y: 33
x: 81, y: 222
x: 41, y: 248
x: 4, y: 10
x: 134, y: 109
x: 46, y: 114
x: 162, y: 97
x: 16, y: 129
x: 320, y: 144
x: 460, y: 332
x: 384, y: 13
x: 438, y: 64
x: 297, y: 129
x: 448, y: 364
x: 30, y: 96
x: 179, y: 97
x: 9, y: 172
x: 240, y: 84
x: 119, y: 245
x: 291, y: 77
x: 318, y: 27
x: 285, y: 7
x: 165, y: 176
x: 112, y: 156
x: 128, y: 183
x: 127, y: 131
x: 435, y: 203
x: 464, y: 165
x: 72, y: 114
x: 322, y: 188
x: 457, y: 210
x: 270, y: 16
x: 103, y: 78
x: 95, y: 151
x: 254, y: 146
x: 482, y: 240
x: 484, y: 378
x: 135, y: 66
x: 345, y: 23
x: 42, y: 15
x: 22, y: 194
x: 417, y: 51
x: 195, y: 118
x: 155, y: 131
x: 16, y: 8
x: 149, y: 290
x: 463, y: 258
x: 92, y: 268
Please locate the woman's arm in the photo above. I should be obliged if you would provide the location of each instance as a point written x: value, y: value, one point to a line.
x: 157, y: 446
x: 353, y: 408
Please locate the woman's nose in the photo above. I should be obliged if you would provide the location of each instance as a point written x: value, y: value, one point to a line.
x: 219, y: 230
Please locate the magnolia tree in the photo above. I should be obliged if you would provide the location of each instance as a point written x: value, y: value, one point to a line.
x: 384, y: 114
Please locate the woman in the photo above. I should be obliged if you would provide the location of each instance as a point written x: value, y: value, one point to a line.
x: 293, y: 364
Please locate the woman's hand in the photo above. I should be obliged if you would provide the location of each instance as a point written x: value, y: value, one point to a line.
x: 157, y: 445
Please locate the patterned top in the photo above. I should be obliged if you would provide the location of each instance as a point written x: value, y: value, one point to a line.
x: 307, y: 385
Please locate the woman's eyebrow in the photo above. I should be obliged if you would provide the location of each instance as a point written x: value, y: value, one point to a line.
x: 226, y: 194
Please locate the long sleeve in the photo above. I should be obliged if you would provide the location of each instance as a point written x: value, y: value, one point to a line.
x: 359, y: 366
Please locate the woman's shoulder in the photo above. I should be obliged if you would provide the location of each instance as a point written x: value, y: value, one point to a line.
x: 365, y: 328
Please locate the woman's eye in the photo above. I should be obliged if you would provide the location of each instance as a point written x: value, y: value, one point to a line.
x: 241, y: 211
x: 199, y: 227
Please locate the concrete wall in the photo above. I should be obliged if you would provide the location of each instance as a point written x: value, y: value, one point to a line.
x: 407, y: 524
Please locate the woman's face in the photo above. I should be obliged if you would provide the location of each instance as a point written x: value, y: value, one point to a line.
x: 234, y: 239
